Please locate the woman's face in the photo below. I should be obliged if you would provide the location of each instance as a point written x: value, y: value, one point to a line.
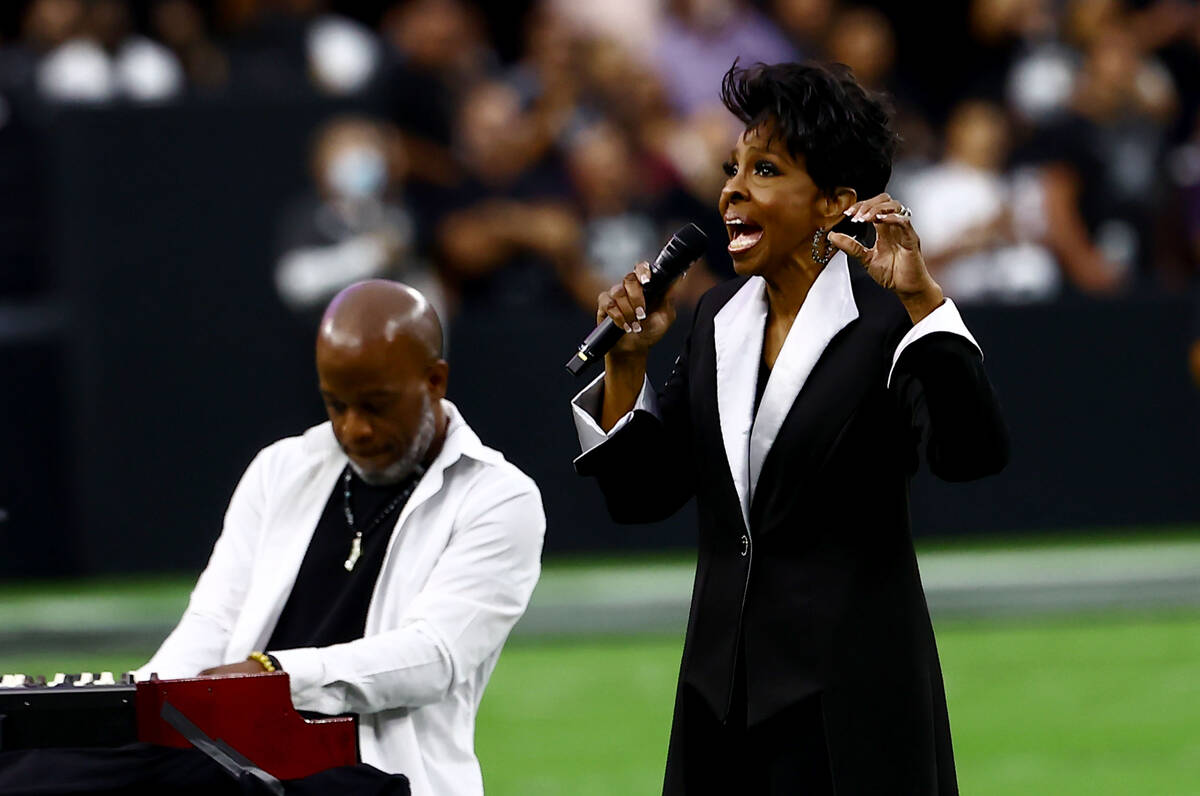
x: 770, y: 205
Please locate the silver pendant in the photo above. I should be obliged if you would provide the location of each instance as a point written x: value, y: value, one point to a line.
x: 355, y: 551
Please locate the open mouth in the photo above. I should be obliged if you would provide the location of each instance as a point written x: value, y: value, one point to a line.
x: 743, y: 235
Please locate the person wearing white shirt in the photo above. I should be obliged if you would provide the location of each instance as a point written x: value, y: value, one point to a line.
x: 379, y: 559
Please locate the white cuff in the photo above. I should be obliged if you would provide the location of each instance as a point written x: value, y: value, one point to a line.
x: 944, y: 319
x: 304, y: 667
x: 586, y: 407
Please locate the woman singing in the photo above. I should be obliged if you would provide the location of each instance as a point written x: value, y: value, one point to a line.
x: 794, y: 415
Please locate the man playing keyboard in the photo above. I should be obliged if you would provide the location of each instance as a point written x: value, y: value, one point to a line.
x: 380, y: 559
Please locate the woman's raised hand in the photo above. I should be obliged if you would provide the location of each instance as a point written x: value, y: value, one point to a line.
x: 625, y: 303
x: 895, y: 261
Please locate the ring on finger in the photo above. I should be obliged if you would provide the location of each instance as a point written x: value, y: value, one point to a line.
x: 901, y: 210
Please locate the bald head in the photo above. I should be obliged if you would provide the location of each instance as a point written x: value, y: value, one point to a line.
x: 382, y: 377
x: 379, y: 311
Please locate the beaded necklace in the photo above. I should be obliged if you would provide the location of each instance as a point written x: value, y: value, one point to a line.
x: 398, y: 500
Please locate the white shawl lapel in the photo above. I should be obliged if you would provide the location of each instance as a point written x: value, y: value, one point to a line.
x: 738, y: 338
x: 827, y: 309
x: 738, y: 331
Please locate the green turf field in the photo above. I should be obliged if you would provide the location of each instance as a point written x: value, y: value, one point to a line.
x: 1047, y: 695
x: 1096, y: 708
x: 1101, y: 707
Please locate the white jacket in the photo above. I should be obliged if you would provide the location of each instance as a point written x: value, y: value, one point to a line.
x: 457, y: 575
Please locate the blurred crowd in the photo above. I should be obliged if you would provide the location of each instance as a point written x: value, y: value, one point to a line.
x: 531, y: 152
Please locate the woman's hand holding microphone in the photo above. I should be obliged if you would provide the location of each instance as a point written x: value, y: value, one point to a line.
x: 625, y: 364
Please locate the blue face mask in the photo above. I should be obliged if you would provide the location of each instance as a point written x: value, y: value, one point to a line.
x: 358, y: 172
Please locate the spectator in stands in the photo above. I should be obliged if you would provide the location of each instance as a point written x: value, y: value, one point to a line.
x: 979, y: 223
x: 701, y: 37
x: 616, y: 85
x: 546, y: 77
x: 633, y: 24
x: 357, y: 224
x: 50, y: 23
x: 674, y: 158
x: 380, y: 559
x: 1169, y: 30
x: 863, y: 39
x: 292, y: 46
x: 266, y: 46
x: 436, y: 50
x: 1017, y: 56
x: 1100, y: 167
x: 623, y: 221
x: 45, y: 26
x: 507, y: 235
x: 180, y: 25
x: 104, y: 59
x: 805, y: 22
x: 1042, y: 79
x: 678, y: 150
x: 616, y: 231
x: 343, y: 55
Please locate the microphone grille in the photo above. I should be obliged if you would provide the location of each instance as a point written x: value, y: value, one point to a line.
x: 684, y: 248
x: 692, y: 239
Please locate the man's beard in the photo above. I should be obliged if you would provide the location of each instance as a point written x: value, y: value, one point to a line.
x: 411, y: 459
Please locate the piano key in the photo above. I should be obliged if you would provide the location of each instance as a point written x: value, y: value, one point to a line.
x: 59, y: 679
x: 105, y: 678
x: 235, y: 709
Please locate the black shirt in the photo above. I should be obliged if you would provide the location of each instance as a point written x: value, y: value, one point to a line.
x: 1117, y: 166
x: 328, y: 604
x: 764, y: 373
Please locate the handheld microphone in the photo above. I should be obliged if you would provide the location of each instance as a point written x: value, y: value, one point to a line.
x: 684, y: 248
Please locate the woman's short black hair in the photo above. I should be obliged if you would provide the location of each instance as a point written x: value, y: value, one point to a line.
x: 822, y: 113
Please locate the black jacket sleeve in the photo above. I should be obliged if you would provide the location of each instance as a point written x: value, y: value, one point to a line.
x: 945, y: 391
x: 646, y: 469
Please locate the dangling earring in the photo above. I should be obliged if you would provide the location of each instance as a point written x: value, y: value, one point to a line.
x: 822, y: 249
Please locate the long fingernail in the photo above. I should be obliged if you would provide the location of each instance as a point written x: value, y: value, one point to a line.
x: 639, y: 313
x: 643, y: 278
x: 848, y: 211
x: 637, y: 327
x: 628, y: 328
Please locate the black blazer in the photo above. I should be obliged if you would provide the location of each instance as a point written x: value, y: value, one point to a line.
x: 821, y: 584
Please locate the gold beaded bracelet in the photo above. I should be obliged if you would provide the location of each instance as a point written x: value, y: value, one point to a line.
x: 262, y: 659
